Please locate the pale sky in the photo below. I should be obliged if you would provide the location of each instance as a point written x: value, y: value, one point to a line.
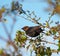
x: 30, y: 5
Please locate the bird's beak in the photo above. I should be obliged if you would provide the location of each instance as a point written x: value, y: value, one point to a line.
x: 22, y: 28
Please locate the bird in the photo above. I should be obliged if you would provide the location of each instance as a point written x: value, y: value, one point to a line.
x: 32, y: 31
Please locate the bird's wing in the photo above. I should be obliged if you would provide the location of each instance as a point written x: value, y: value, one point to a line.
x: 30, y: 31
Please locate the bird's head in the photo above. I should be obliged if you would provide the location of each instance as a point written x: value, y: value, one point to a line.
x: 25, y: 28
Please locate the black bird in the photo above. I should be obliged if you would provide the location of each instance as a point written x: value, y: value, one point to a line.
x: 32, y: 31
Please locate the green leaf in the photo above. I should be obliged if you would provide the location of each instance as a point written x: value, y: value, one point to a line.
x: 1, y: 51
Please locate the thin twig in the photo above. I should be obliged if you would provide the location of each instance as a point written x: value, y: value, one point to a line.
x: 55, y: 51
x: 12, y: 27
x: 6, y: 30
x: 43, y: 41
x: 48, y: 42
x: 32, y: 20
x: 13, y: 45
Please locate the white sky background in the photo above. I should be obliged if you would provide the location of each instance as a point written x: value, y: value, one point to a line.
x: 32, y: 5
